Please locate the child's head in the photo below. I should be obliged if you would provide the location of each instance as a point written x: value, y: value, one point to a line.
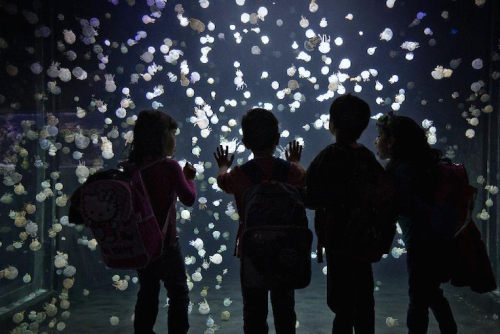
x: 349, y: 117
x: 260, y: 130
x: 154, y: 136
x: 401, y: 138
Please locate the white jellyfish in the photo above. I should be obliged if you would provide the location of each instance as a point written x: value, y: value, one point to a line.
x: 69, y: 36
x: 345, y: 64
x: 255, y: 50
x: 391, y: 322
x: 390, y: 3
x: 324, y: 46
x: 386, y: 35
x: 110, y: 83
x: 304, y: 23
x: 262, y: 13
x: 204, y: 308
x: 313, y: 6
x: 216, y: 258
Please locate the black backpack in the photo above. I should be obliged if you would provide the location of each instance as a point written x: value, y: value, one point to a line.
x: 276, y: 242
x: 371, y: 201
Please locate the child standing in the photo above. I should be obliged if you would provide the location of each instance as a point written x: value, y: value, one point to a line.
x: 335, y: 187
x: 154, y: 145
x: 413, y: 164
x: 261, y: 136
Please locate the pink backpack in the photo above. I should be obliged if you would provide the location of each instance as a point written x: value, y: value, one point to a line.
x: 454, y: 200
x: 116, y: 207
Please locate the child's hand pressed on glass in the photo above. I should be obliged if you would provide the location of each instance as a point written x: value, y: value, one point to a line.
x: 294, y: 151
x: 222, y: 157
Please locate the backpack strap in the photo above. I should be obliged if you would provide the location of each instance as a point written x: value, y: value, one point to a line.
x: 255, y: 175
x: 280, y: 170
x: 252, y: 172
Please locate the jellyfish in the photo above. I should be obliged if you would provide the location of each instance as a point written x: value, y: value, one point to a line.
x: 238, y: 81
x: 53, y: 70
x: 69, y: 36
x: 216, y: 258
x: 197, y: 25
x: 146, y: 19
x: 262, y: 13
x: 195, y: 77
x: 345, y: 64
x: 110, y: 83
x: 304, y: 23
x: 204, y: 308
x: 391, y: 322
x: 386, y: 35
x: 36, y: 68
x: 255, y: 50
x: 64, y: 75
x: 203, y: 203
x: 313, y: 6
x: 477, y: 64
x: 304, y: 56
x: 410, y: 46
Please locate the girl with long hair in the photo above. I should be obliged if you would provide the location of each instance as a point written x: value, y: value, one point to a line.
x: 152, y: 149
x: 413, y: 164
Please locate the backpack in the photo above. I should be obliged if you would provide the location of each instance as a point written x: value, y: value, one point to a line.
x: 276, y: 242
x: 115, y: 206
x: 454, y: 200
x: 370, y: 201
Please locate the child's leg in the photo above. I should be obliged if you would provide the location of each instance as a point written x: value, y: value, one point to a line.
x: 254, y: 308
x: 350, y: 295
x: 146, y: 307
x: 283, y: 302
x: 174, y: 277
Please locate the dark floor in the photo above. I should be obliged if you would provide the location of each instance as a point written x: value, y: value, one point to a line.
x: 474, y: 313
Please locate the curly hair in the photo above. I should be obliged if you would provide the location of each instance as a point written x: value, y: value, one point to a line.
x: 410, y: 141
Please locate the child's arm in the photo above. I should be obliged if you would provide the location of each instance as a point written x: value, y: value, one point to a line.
x: 222, y: 158
x: 183, y: 182
x: 224, y: 162
x: 297, y: 174
x: 294, y: 152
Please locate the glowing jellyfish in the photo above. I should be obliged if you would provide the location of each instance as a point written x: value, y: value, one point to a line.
x: 245, y: 18
x: 313, y: 6
x: 386, y: 35
x: 216, y: 258
x: 470, y: 133
x: 475, y: 87
x: 339, y: 41
x: 255, y: 50
x: 262, y: 13
x: 69, y: 36
x: 204, y: 4
x: 349, y: 17
x: 390, y: 3
x: 345, y: 64
x: 391, y: 322
x: 477, y: 64
x: 264, y: 39
x: 371, y: 51
x: 204, y: 308
x: 304, y: 23
x: 323, y: 23
x: 279, y: 23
